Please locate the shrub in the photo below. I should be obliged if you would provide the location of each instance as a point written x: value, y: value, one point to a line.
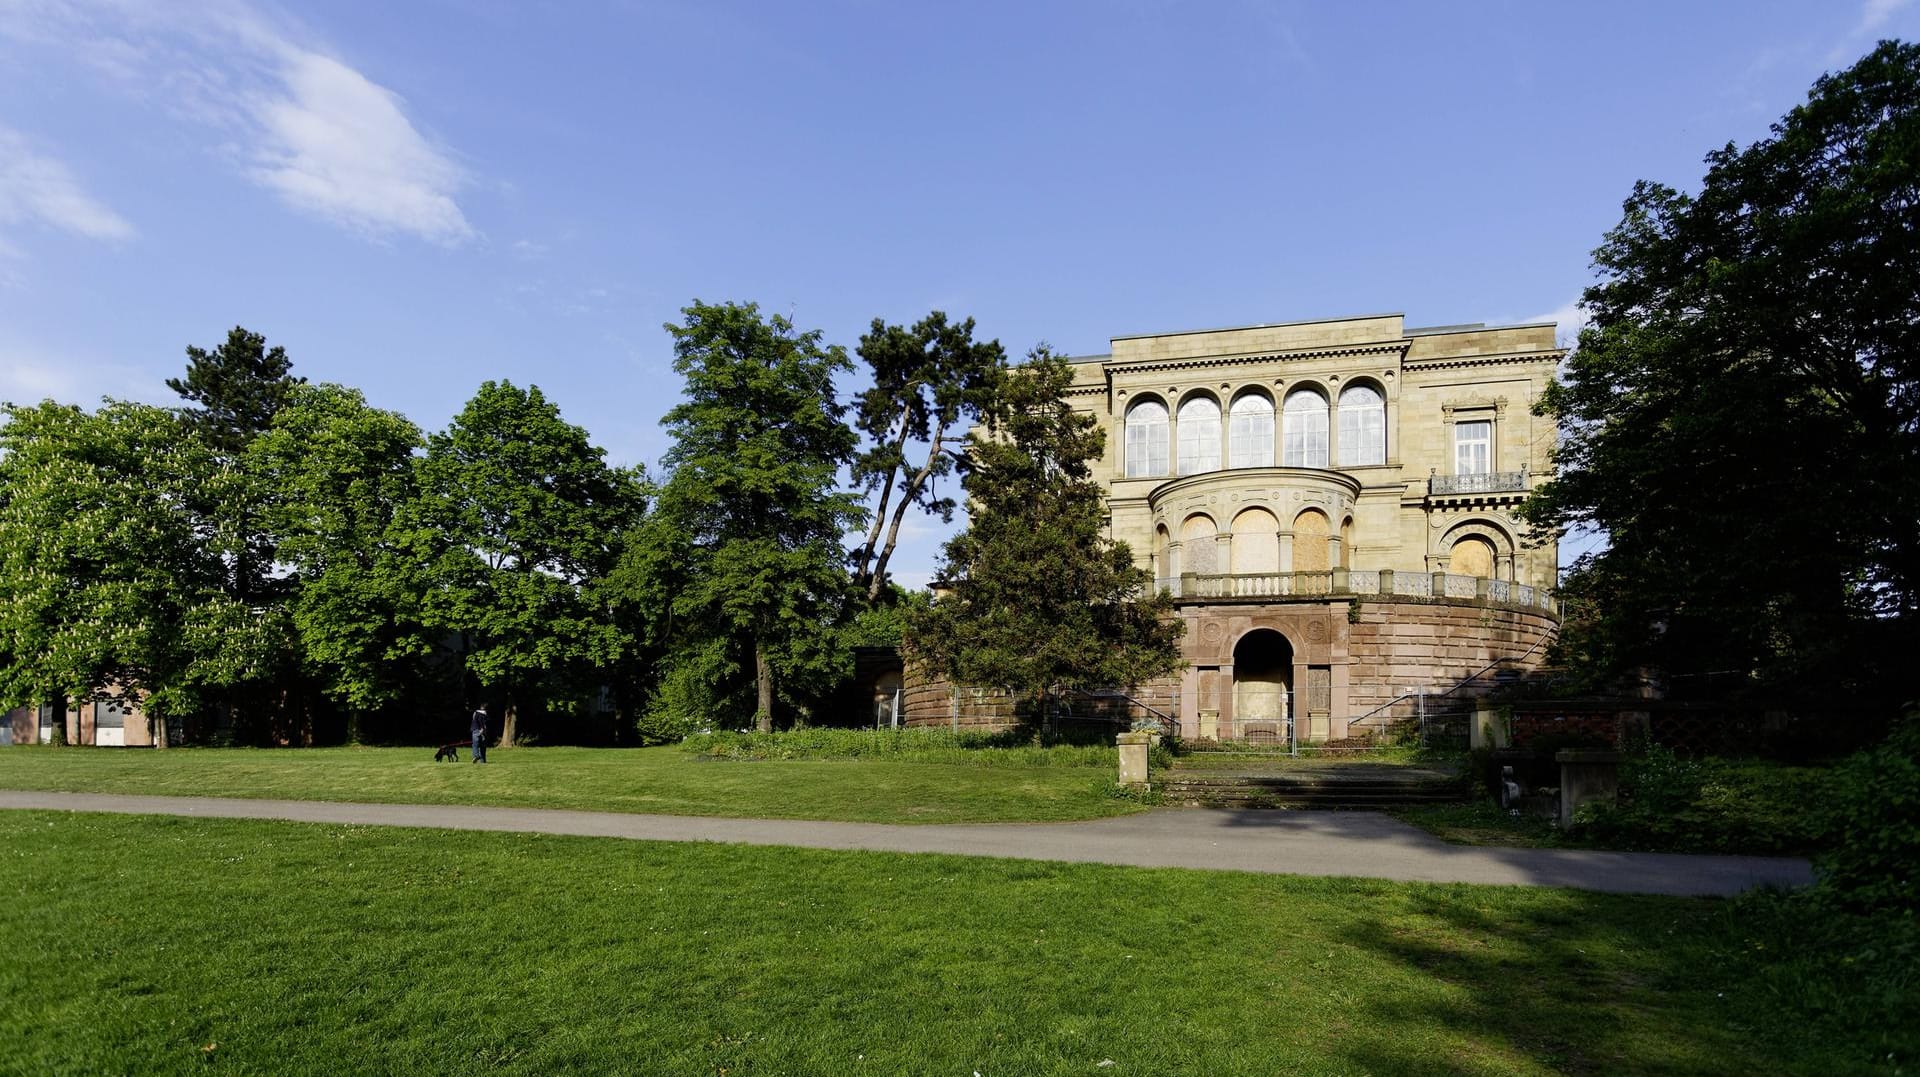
x: 1874, y: 814
x: 1672, y: 803
x: 966, y: 747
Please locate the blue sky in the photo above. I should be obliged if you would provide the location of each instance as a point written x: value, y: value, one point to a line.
x: 414, y: 197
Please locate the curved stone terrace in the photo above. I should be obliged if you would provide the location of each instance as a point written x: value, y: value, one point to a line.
x: 1267, y: 587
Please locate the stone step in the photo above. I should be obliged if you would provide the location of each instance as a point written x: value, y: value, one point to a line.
x: 1271, y: 792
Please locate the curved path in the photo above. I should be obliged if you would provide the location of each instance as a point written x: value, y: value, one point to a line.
x: 1354, y: 843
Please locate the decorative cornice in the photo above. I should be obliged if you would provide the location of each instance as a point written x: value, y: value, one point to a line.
x: 1143, y: 366
x: 1445, y: 362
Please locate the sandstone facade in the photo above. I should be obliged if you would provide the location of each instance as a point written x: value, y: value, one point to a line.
x: 1332, y: 505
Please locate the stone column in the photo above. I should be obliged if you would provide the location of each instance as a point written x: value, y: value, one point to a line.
x: 1133, y: 759
x: 1586, y: 777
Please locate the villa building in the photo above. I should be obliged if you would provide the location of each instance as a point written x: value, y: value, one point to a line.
x: 1331, y: 504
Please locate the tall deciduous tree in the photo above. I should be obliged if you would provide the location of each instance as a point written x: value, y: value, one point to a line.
x: 928, y: 381
x: 518, y: 519
x: 749, y: 520
x: 341, y: 472
x: 104, y: 579
x: 1037, y: 596
x: 1742, y: 415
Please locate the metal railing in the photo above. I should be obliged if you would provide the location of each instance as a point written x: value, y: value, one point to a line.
x: 1154, y: 718
x: 1490, y: 482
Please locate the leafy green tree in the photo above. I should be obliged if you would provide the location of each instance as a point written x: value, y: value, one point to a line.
x: 749, y: 521
x: 105, y: 582
x: 1037, y: 596
x: 1742, y: 415
x: 927, y: 381
x: 233, y: 392
x: 340, y: 473
x: 517, y: 521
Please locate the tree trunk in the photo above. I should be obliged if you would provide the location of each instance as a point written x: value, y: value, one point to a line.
x: 866, y: 572
x: 763, y: 678
x: 907, y: 496
x: 159, y: 731
x: 509, y: 723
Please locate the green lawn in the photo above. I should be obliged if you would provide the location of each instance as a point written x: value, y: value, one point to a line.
x: 664, y: 780
x: 171, y: 945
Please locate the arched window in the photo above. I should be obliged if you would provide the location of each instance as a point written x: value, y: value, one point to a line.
x: 1304, y: 425
x: 1199, y: 553
x: 1255, y: 545
x: 1250, y: 432
x: 1146, y: 439
x: 1199, y: 436
x: 1310, y: 541
x: 1363, y: 426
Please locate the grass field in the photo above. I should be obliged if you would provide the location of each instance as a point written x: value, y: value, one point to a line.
x: 137, y: 944
x: 664, y: 780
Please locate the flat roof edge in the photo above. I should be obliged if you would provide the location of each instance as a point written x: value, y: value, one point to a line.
x: 1475, y: 327
x: 1263, y: 325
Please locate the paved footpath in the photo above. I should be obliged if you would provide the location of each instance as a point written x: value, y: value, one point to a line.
x: 1351, y: 843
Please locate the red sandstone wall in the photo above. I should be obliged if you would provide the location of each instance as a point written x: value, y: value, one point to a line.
x: 1389, y: 646
x: 1396, y: 645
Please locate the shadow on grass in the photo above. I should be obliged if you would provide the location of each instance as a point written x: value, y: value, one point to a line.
x: 1571, y: 984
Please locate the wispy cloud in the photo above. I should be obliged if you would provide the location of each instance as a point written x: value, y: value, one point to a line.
x: 1875, y: 13
x: 302, y: 123
x: 338, y: 146
x: 37, y: 189
x: 1569, y: 317
x: 29, y: 375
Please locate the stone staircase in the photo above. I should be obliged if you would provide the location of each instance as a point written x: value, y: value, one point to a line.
x: 1258, y: 783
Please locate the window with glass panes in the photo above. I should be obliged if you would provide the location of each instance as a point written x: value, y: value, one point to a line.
x: 1146, y: 439
x: 1303, y: 429
x: 1250, y: 432
x: 1199, y: 436
x: 1473, y: 447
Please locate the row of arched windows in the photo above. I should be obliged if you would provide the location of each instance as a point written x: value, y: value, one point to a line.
x: 1250, y: 432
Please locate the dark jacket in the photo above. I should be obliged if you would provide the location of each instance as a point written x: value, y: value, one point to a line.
x: 479, y: 723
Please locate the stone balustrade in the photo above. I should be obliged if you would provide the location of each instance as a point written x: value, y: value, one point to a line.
x: 1263, y: 586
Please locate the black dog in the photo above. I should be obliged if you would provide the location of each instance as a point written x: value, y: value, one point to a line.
x: 448, y: 753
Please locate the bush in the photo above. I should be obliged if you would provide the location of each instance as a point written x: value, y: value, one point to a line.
x: 1671, y: 803
x: 1874, y: 814
x: 966, y: 747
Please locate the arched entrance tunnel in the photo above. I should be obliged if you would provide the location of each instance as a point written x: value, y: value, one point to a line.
x: 1262, y: 680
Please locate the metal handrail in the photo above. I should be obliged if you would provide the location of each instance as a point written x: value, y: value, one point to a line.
x: 1167, y: 722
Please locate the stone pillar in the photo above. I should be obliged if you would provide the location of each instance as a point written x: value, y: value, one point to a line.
x: 1133, y: 759
x: 1586, y: 777
x: 1386, y: 581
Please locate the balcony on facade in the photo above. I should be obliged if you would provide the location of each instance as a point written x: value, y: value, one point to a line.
x: 1268, y: 587
x: 1489, y: 482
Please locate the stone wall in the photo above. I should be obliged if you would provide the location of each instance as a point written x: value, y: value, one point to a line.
x: 1374, y: 652
x: 1434, y: 644
x: 931, y: 701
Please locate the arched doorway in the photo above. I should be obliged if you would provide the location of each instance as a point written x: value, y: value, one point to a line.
x: 1262, y: 676
x: 1472, y: 556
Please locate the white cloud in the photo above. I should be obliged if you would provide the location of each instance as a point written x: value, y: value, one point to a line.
x: 339, y: 147
x: 322, y: 136
x: 38, y: 189
x: 28, y: 376
x: 1569, y: 317
x: 1875, y: 13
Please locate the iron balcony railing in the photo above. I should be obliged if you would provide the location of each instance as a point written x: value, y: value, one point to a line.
x: 1491, y: 482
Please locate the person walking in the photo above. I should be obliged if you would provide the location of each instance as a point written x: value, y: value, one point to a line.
x: 480, y: 734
